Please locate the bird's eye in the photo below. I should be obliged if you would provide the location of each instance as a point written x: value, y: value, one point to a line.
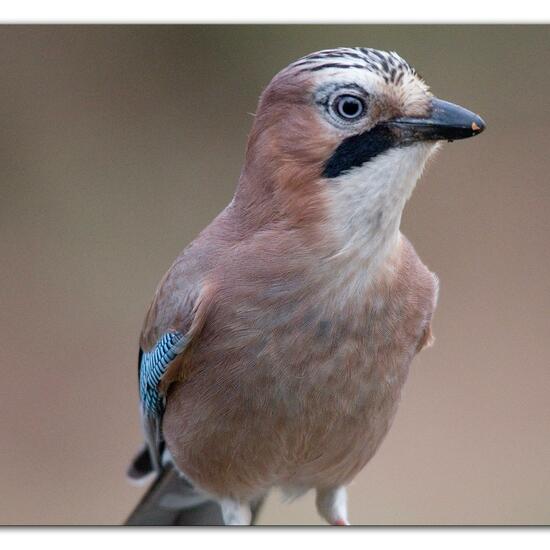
x: 348, y: 107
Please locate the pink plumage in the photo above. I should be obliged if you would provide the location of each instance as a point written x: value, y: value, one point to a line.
x: 302, y: 303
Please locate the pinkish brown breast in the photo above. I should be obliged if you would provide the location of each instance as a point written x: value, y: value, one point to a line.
x: 290, y: 387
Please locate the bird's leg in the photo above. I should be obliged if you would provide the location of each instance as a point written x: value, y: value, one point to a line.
x: 332, y: 505
x: 235, y: 513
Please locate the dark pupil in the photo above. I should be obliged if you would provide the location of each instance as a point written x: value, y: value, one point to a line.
x: 350, y: 107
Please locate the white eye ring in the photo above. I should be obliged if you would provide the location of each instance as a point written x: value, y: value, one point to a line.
x: 348, y: 107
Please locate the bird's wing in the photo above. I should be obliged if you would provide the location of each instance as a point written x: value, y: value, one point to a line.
x: 175, y: 318
x: 152, y: 367
x: 427, y: 338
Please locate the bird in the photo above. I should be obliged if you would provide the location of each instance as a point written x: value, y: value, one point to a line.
x: 276, y: 346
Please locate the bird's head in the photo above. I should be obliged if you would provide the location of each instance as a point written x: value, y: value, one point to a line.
x: 343, y: 135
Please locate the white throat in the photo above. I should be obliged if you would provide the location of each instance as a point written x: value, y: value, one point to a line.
x: 366, y: 204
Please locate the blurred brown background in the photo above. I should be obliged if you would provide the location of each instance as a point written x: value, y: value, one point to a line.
x: 119, y: 144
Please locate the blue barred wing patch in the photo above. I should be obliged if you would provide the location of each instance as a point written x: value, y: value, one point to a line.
x: 152, y: 367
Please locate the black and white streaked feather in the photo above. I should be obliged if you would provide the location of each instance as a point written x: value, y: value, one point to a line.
x: 389, y: 65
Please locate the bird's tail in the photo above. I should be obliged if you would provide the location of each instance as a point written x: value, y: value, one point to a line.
x: 171, y: 499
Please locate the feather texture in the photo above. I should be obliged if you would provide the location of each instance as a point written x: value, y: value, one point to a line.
x: 152, y: 367
x: 280, y: 339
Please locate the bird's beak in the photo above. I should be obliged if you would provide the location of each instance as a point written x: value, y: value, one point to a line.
x: 446, y: 121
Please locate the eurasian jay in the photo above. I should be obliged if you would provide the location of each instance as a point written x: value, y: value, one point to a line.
x: 276, y: 346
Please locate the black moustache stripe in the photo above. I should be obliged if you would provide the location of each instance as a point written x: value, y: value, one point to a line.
x: 357, y: 150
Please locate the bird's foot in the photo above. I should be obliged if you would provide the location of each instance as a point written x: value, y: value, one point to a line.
x: 235, y: 513
x: 332, y: 505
